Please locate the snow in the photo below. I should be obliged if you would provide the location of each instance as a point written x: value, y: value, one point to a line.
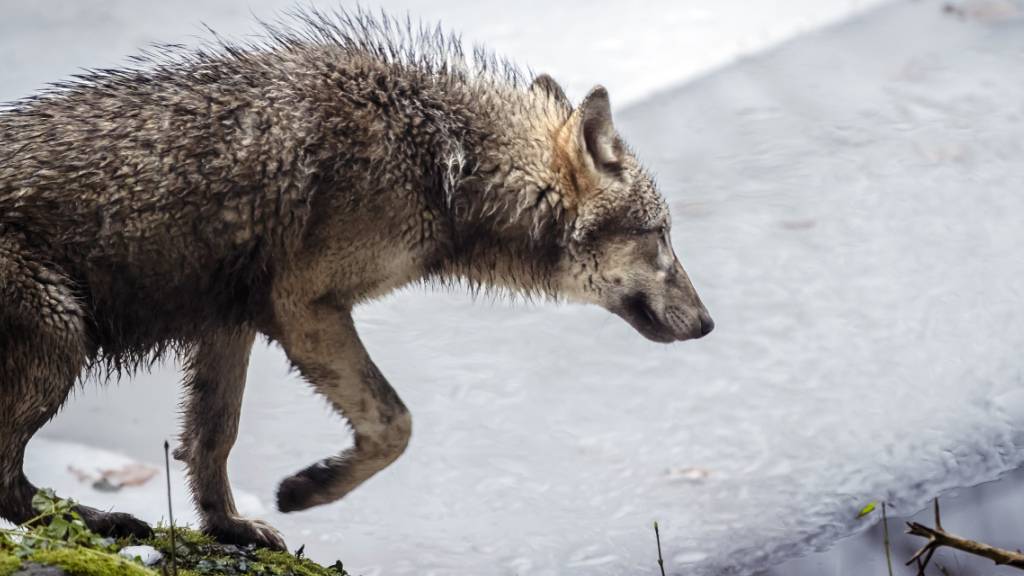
x: 848, y: 206
x: 147, y: 555
x: 57, y: 465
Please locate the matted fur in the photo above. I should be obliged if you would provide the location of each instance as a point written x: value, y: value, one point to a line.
x: 198, y: 197
x: 408, y: 50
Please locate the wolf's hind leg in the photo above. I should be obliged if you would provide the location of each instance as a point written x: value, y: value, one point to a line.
x: 322, y: 343
x: 43, y: 347
x: 214, y: 384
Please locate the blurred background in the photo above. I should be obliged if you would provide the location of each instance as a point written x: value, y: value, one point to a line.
x: 845, y: 184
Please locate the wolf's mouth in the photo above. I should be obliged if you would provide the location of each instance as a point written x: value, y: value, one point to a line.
x: 637, y: 310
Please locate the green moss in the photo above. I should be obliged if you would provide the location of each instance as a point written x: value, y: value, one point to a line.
x: 64, y: 541
x: 9, y: 563
x: 195, y: 553
x: 80, y: 561
x: 290, y: 564
x: 161, y: 539
x: 199, y: 555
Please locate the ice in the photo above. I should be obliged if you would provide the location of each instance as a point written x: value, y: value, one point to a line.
x: 849, y: 207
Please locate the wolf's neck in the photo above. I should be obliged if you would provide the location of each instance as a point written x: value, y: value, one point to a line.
x: 505, y: 231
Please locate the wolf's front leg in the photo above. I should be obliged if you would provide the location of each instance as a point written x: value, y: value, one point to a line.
x: 321, y: 341
x: 215, y: 381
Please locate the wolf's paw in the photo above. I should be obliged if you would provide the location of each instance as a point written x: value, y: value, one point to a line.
x: 242, y: 532
x: 113, y: 524
x: 296, y: 493
x: 323, y: 482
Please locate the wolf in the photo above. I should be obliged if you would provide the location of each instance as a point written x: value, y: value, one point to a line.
x: 195, y: 199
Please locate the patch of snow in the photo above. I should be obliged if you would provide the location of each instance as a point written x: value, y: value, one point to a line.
x: 58, y: 464
x: 147, y: 555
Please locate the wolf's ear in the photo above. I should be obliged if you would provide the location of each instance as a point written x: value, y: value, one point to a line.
x: 596, y: 132
x: 545, y: 84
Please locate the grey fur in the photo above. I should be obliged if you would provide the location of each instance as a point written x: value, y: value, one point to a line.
x: 198, y: 198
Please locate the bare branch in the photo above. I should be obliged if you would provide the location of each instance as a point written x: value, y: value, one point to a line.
x: 661, y: 561
x: 938, y: 537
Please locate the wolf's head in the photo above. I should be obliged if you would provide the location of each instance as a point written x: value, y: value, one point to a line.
x: 618, y: 252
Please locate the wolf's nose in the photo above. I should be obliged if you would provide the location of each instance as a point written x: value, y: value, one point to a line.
x: 706, y: 324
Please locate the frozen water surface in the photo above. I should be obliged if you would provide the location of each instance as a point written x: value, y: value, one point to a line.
x: 849, y: 207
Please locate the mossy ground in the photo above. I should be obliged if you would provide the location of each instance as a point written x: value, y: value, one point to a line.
x: 80, y: 561
x: 8, y: 563
x: 197, y: 555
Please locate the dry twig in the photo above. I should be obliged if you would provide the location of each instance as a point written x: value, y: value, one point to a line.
x: 938, y: 537
x: 661, y: 561
x: 170, y: 509
x: 885, y: 533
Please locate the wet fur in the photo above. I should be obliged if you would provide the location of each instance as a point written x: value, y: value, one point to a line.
x: 202, y: 197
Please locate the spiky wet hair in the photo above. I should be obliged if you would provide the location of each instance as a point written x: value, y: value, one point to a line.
x: 401, y: 42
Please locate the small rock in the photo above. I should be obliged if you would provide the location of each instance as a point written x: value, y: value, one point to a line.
x: 146, y: 554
